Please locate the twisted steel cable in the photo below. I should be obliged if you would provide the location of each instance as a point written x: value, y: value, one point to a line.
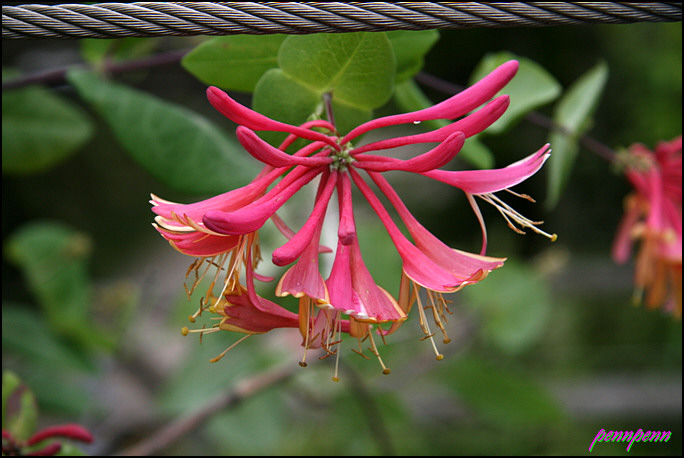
x: 147, y: 19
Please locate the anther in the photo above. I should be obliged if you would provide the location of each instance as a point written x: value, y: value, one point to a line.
x: 185, y: 330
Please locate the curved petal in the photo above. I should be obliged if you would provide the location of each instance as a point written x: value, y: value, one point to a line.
x: 470, y: 125
x: 242, y: 115
x: 488, y: 181
x: 251, y: 217
x: 272, y: 156
x: 199, y: 244
x: 242, y: 316
x: 433, y: 159
x: 455, y: 106
x: 416, y: 264
x: 294, y: 247
x: 461, y: 264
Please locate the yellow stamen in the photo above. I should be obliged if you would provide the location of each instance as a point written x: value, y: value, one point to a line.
x: 508, y: 212
x: 425, y: 326
x: 374, y: 350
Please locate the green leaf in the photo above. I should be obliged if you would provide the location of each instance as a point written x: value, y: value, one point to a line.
x: 301, y: 104
x: 531, y: 87
x: 409, y: 97
x: 53, y: 258
x: 19, y: 408
x: 234, y: 62
x: 499, y: 396
x: 358, y: 68
x: 516, y: 312
x: 573, y: 114
x: 177, y: 146
x: 43, y: 355
x: 40, y: 129
x: 410, y: 48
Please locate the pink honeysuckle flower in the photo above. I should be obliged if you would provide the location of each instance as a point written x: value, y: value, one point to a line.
x: 653, y: 215
x: 223, y: 230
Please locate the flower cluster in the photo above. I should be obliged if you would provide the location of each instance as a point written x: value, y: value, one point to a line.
x: 653, y: 216
x: 223, y: 231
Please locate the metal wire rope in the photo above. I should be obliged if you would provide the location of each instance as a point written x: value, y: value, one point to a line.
x: 147, y: 19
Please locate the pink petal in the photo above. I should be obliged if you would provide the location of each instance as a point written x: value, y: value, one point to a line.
x: 71, y: 430
x: 294, y: 247
x: 416, y: 264
x: 304, y: 277
x: 274, y: 157
x: 244, y: 116
x: 199, y: 244
x: 453, y: 107
x: 488, y: 181
x: 251, y: 217
x: 346, y: 230
x: 243, y: 316
x: 353, y: 291
x: 289, y: 233
x: 433, y: 159
x: 470, y: 125
x: 460, y: 264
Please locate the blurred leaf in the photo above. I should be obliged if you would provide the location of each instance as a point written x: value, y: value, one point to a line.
x: 44, y: 348
x: 515, y: 312
x: 234, y: 62
x: 40, y: 129
x: 45, y: 356
x: 410, y: 48
x: 499, y: 396
x: 53, y: 258
x: 179, y: 147
x: 97, y: 50
x: 573, y: 113
x: 531, y: 87
x: 410, y: 97
x: 19, y: 408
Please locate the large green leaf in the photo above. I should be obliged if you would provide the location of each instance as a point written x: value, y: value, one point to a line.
x: 531, y: 87
x: 40, y: 129
x: 573, y: 114
x: 410, y: 47
x: 176, y: 145
x: 234, y: 62
x: 358, y: 68
x: 301, y: 104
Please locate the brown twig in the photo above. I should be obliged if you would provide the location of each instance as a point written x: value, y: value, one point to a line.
x: 58, y: 75
x: 173, y: 431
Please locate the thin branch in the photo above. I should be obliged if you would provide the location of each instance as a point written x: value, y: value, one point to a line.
x: 534, y: 117
x: 173, y: 431
x: 58, y: 75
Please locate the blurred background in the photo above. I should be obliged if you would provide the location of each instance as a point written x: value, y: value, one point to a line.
x: 545, y: 352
